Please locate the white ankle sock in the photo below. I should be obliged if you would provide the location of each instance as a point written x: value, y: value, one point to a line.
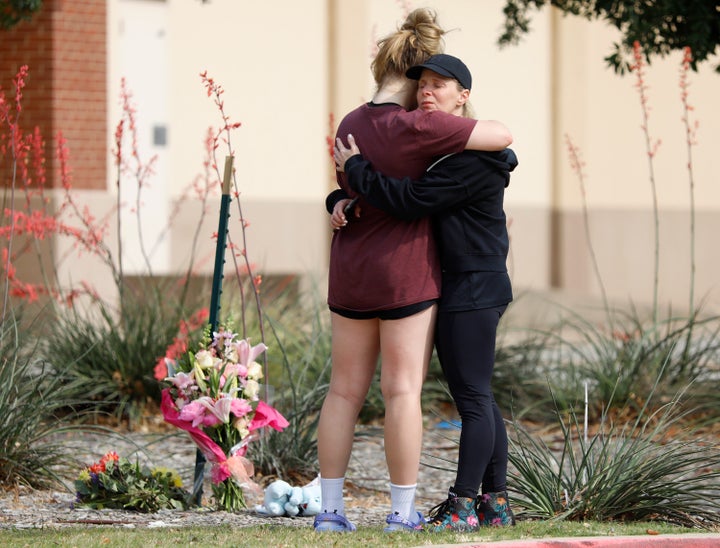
x: 402, y: 500
x: 331, y: 495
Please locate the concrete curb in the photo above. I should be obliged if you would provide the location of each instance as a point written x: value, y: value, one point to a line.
x: 637, y: 541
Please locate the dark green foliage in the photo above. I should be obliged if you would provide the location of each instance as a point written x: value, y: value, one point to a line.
x: 645, y: 456
x: 660, y: 27
x: 14, y: 11
x: 435, y: 393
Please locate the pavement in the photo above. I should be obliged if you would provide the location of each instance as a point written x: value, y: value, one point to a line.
x: 700, y: 540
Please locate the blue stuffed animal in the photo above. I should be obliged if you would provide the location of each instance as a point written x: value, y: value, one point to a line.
x: 282, y: 499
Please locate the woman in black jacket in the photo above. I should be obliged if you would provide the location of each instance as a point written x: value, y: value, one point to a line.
x: 464, y: 195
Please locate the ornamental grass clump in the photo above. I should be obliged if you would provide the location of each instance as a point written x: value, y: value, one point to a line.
x: 31, y: 422
x: 622, y: 365
x: 654, y: 467
x: 623, y: 356
x: 115, y: 482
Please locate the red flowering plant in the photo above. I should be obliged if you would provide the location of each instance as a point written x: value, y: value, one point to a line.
x: 214, y: 396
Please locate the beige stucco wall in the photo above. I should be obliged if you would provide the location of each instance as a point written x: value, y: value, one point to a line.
x: 601, y: 112
x: 272, y: 62
x: 286, y: 66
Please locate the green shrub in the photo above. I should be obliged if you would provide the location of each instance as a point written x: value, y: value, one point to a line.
x: 654, y: 467
x: 31, y: 398
x: 108, y: 356
x: 520, y: 376
x: 618, y: 358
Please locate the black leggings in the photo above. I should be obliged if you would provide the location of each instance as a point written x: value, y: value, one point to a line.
x: 465, y: 343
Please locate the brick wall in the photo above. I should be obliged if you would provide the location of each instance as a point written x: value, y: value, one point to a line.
x: 65, y: 48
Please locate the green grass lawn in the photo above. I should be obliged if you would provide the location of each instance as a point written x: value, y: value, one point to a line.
x: 281, y: 536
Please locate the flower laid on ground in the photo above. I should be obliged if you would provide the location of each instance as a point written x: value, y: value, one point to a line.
x: 214, y: 397
x: 115, y: 482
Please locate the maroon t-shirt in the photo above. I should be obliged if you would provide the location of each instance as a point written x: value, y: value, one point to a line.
x: 378, y: 262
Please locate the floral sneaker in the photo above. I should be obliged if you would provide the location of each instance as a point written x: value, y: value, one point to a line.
x: 332, y: 522
x: 493, y: 510
x: 454, y: 514
x: 396, y: 523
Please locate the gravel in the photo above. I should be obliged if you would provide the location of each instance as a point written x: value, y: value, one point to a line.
x: 367, y: 501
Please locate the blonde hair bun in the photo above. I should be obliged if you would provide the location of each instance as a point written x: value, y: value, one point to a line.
x: 419, y: 38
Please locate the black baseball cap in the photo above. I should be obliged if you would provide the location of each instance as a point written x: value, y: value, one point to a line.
x: 444, y: 64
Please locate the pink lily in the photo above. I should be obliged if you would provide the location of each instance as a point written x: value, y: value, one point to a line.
x: 247, y: 353
x: 183, y: 381
x: 221, y: 409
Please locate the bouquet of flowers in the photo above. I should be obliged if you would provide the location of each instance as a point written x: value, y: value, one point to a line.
x: 115, y: 482
x: 214, y: 397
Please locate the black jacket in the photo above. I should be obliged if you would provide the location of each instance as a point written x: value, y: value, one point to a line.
x: 464, y: 194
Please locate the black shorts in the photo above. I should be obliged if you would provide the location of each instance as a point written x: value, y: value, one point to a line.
x: 388, y: 314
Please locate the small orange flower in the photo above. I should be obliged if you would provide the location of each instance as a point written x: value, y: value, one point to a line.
x: 97, y: 467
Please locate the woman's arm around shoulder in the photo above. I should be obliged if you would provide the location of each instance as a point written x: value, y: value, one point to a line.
x: 489, y: 135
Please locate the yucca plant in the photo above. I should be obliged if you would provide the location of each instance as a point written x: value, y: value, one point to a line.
x: 523, y: 361
x: 653, y: 467
x: 621, y: 365
x: 35, y: 411
x: 519, y: 379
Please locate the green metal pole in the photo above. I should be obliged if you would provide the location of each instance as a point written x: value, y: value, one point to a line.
x: 215, y: 300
